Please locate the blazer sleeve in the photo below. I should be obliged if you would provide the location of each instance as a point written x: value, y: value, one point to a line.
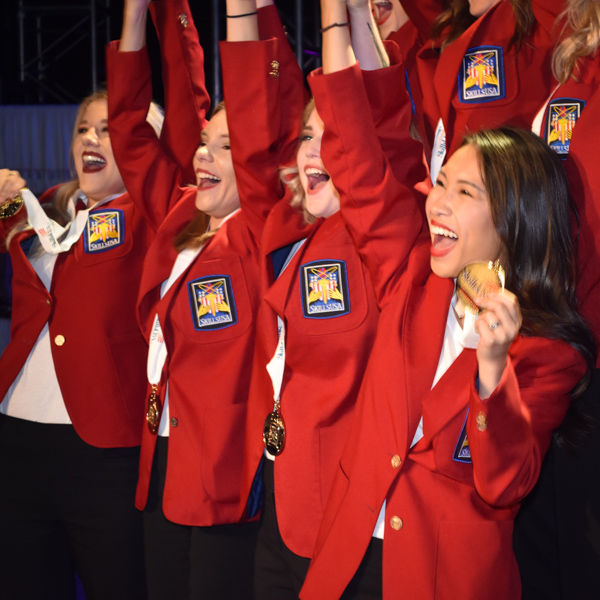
x: 150, y: 175
x: 510, y: 432
x: 186, y: 100
x: 259, y: 126
x: 381, y: 212
x: 293, y: 92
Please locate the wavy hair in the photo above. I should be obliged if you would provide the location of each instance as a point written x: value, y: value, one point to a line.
x: 582, y: 21
x: 531, y: 208
x: 290, y: 176
x: 457, y: 18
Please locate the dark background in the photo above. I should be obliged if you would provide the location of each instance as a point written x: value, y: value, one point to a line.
x: 62, y: 30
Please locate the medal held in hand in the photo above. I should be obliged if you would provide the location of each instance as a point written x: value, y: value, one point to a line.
x: 152, y: 411
x: 9, y: 207
x: 274, y: 432
x: 479, y: 279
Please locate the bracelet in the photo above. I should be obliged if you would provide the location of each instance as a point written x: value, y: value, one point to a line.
x: 334, y: 25
x: 244, y: 15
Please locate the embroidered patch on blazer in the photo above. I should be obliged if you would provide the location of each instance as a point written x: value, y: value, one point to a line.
x: 462, y: 452
x: 324, y: 288
x: 212, y: 303
x: 481, y: 77
x: 104, y: 230
x: 561, y: 118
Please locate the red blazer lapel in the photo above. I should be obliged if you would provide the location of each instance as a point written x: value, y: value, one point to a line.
x: 423, y: 335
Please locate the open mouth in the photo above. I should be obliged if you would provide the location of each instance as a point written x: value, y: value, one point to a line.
x: 442, y: 239
x: 206, y: 180
x: 93, y: 162
x: 316, y: 179
x: 383, y: 10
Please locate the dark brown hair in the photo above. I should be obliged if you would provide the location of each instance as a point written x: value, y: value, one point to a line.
x: 457, y: 18
x: 531, y: 209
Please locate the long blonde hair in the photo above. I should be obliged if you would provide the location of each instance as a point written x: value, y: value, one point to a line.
x: 290, y: 176
x: 57, y: 208
x: 583, y: 23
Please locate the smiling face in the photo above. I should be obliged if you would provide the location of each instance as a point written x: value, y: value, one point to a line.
x: 95, y: 163
x: 389, y: 16
x: 217, y: 194
x: 478, y: 7
x: 458, y: 212
x: 321, y: 198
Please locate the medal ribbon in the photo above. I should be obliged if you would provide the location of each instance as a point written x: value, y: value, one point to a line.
x: 276, y: 365
x: 49, y: 231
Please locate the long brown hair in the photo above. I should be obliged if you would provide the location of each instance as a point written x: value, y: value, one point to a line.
x: 196, y: 232
x: 531, y: 209
x: 582, y: 21
x: 457, y: 18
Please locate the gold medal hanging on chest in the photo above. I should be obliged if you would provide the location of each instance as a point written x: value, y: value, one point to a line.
x: 152, y: 411
x: 274, y: 432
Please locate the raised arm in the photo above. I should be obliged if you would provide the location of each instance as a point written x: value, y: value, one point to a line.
x: 187, y: 102
x: 251, y: 82
x: 381, y: 212
x: 151, y: 173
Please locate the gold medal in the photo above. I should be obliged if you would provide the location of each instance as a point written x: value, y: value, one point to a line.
x: 153, y: 412
x: 479, y: 279
x: 9, y: 207
x: 274, y: 433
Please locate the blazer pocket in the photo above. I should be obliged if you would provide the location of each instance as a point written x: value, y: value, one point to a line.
x: 223, y: 452
x: 213, y: 304
x: 475, y: 561
x: 108, y: 235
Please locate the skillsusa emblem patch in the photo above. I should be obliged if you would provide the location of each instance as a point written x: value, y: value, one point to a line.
x: 104, y: 230
x: 324, y: 287
x: 481, y: 77
x: 462, y: 452
x: 212, y: 303
x: 562, y: 116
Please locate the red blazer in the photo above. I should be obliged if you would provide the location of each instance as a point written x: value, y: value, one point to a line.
x: 410, y: 38
x: 206, y: 436
x: 517, y: 83
x: 450, y: 499
x: 101, y: 364
x: 570, y: 126
x: 325, y: 357
x: 449, y: 519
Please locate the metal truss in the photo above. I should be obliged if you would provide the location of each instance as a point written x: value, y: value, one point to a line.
x: 47, y: 34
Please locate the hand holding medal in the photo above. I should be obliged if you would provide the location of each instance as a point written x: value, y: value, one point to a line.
x: 11, y: 183
x: 480, y: 287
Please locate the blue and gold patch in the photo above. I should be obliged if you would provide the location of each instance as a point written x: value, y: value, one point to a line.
x: 104, y: 230
x: 481, y: 77
x: 462, y: 452
x: 561, y: 118
x: 212, y: 303
x: 324, y: 288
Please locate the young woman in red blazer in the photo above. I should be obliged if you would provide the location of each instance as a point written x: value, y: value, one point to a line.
x: 454, y: 414
x: 198, y: 298
x: 488, y: 64
x: 316, y: 327
x: 556, y: 544
x: 72, y: 380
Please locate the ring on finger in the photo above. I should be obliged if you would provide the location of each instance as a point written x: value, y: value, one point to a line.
x: 494, y: 325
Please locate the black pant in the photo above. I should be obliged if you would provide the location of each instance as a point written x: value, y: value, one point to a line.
x: 66, y: 506
x: 279, y: 573
x: 185, y: 562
